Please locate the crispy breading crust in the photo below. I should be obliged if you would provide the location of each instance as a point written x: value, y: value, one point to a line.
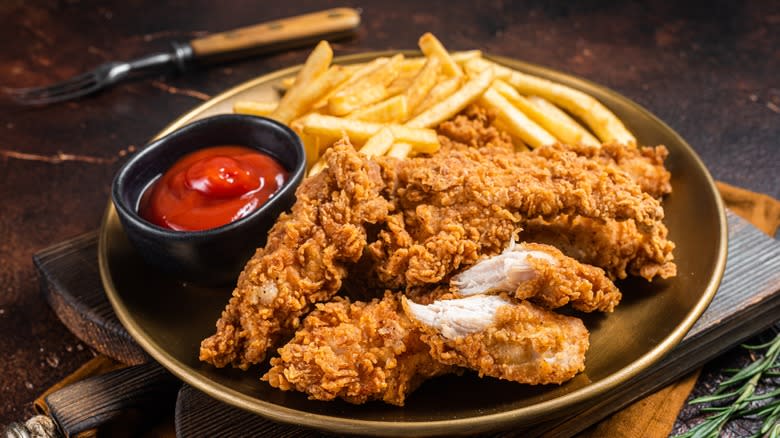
x: 645, y: 165
x: 586, y: 287
x: 464, y: 203
x: 303, y: 262
x: 357, y: 352
x: 525, y: 344
x: 618, y: 247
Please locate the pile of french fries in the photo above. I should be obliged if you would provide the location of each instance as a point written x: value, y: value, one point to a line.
x: 391, y: 106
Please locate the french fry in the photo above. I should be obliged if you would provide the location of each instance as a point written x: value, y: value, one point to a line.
x: 409, y: 67
x: 379, y: 143
x: 400, y: 150
x: 316, y: 65
x: 547, y: 115
x: 318, y: 88
x: 287, y: 83
x: 452, y: 105
x: 432, y: 47
x: 465, y: 56
x: 356, y: 73
x: 405, y: 77
x: 439, y: 92
x: 564, y: 123
x: 416, y: 63
x: 392, y: 110
x: 255, y: 108
x: 310, y: 143
x: 318, y: 167
x: 519, y: 145
x: 606, y: 125
x: 422, y: 83
x: 399, y: 85
x: 370, y: 89
x: 516, y: 123
x: 424, y: 140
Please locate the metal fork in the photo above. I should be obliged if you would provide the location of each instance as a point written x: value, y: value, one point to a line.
x: 264, y: 37
x: 101, y: 77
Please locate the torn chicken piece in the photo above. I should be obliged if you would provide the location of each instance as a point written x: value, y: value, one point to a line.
x: 495, y: 337
x: 357, y: 352
x: 543, y: 275
x: 304, y: 260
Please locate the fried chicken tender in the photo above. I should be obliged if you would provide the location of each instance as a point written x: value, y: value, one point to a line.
x: 304, y: 260
x: 355, y: 351
x: 645, y: 165
x: 541, y: 274
x: 495, y: 337
x: 618, y: 247
x: 463, y: 203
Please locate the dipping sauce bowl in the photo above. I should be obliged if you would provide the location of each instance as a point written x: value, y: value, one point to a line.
x: 213, y: 256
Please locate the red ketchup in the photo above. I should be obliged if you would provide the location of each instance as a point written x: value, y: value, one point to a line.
x: 212, y: 187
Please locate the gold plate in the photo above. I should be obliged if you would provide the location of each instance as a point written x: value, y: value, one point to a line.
x: 169, y: 319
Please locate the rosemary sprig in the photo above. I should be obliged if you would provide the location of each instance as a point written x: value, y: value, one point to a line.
x: 736, y: 398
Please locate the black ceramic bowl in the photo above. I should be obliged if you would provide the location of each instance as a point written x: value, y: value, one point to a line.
x: 215, y: 256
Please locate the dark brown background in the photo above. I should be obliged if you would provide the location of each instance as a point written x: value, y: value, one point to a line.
x: 709, y: 69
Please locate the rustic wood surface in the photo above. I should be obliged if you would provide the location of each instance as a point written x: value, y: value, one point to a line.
x: 708, y: 69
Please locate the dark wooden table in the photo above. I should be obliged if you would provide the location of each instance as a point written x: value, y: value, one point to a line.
x: 709, y: 69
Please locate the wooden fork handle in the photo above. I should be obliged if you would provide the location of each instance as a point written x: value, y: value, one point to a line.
x: 277, y: 34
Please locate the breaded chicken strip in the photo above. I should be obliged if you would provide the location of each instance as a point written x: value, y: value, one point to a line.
x: 645, y: 165
x: 618, y: 247
x: 495, y: 337
x: 463, y: 203
x: 304, y: 260
x: 357, y: 352
x: 541, y: 274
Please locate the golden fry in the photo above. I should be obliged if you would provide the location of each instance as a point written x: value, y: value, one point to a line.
x: 318, y: 167
x: 465, y: 56
x: 287, y: 83
x: 400, y: 150
x: 356, y: 73
x: 422, y: 83
x: 432, y: 47
x: 379, y: 143
x: 564, y: 122
x: 439, y: 92
x: 452, y: 105
x: 399, y: 85
x: 548, y: 116
x: 316, y: 65
x: 605, y: 124
x: 370, y: 89
x: 516, y: 122
x: 255, y: 108
x: 310, y: 143
x: 416, y: 63
x: 423, y: 139
x: 392, y: 110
